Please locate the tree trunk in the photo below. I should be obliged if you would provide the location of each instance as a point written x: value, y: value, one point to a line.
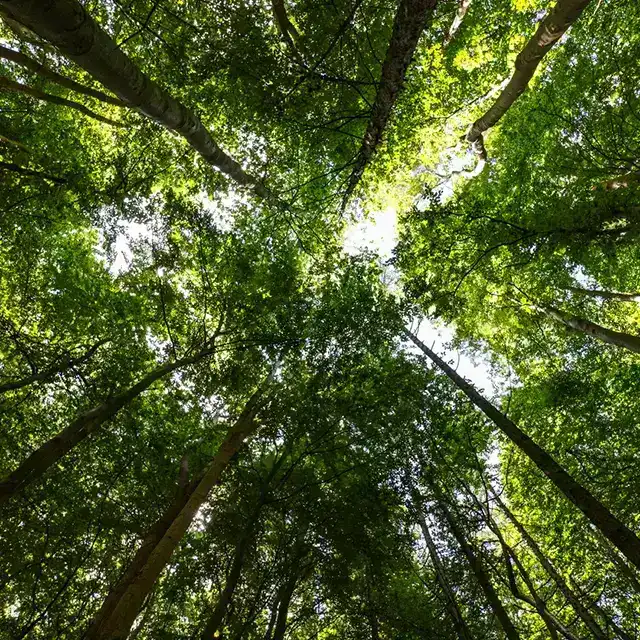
x: 554, y: 574
x: 551, y: 29
x: 220, y: 611
x: 283, y: 606
x: 35, y: 66
x: 458, y: 621
x: 408, y: 24
x: 66, y: 363
x: 287, y: 30
x: 463, y: 7
x: 620, y: 535
x: 17, y: 87
x: 478, y: 570
x: 67, y: 25
x: 272, y: 619
x: 16, y: 168
x: 617, y: 338
x: 52, y: 451
x: 122, y: 606
x: 606, y: 295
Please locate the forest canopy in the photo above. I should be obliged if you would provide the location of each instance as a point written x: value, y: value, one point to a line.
x: 220, y: 419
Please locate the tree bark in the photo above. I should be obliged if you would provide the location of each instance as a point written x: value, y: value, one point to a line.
x: 123, y: 604
x: 16, y: 168
x: 283, y: 606
x: 17, y: 87
x: 49, y: 453
x: 554, y: 574
x: 478, y: 570
x: 66, y: 363
x: 616, y: 338
x: 455, y: 614
x: 33, y: 65
x: 67, y: 25
x: 606, y: 295
x: 615, y: 531
x: 287, y: 29
x: 220, y: 610
x: 408, y: 24
x: 551, y: 29
x: 272, y: 619
x: 463, y: 7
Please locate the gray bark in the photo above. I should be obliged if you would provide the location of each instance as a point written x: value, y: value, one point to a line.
x: 33, y: 65
x: 616, y: 338
x: 613, y: 529
x: 68, y: 26
x: 551, y: 29
x: 121, y: 607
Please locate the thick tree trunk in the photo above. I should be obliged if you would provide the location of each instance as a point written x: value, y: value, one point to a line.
x: 122, y: 606
x: 67, y: 25
x: 606, y: 295
x: 554, y: 574
x: 64, y: 365
x: 16, y: 168
x: 33, y: 65
x: 408, y: 24
x: 459, y: 624
x: 551, y: 29
x: 48, y: 454
x: 17, y: 87
x: 617, y: 338
x: 620, y: 535
x: 478, y: 570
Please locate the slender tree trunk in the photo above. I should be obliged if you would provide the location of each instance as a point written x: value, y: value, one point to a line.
x: 49, y: 453
x: 554, y: 574
x: 620, y: 535
x: 68, y: 26
x: 220, y: 610
x: 409, y: 21
x: 463, y: 7
x: 288, y: 30
x: 283, y: 606
x: 33, y: 65
x: 617, y: 338
x: 119, y: 612
x: 66, y: 364
x: 606, y: 295
x: 551, y: 29
x: 16, y: 168
x: 17, y: 87
x: 272, y: 618
x: 478, y: 570
x: 552, y: 623
x: 459, y: 624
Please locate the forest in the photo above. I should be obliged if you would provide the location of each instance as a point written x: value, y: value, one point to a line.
x: 222, y: 417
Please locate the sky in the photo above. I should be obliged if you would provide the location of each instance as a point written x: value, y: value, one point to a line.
x: 379, y: 233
